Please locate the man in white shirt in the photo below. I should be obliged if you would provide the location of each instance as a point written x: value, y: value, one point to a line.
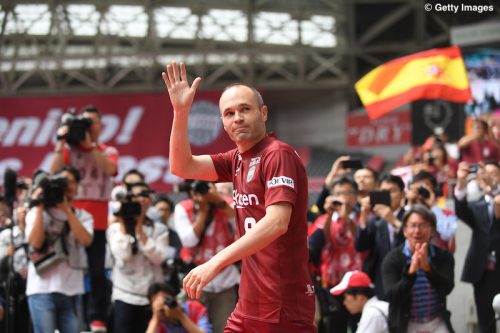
x: 55, y: 281
x: 358, y: 292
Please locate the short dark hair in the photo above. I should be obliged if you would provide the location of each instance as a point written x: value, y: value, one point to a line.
x: 492, y: 162
x: 89, y: 108
x: 71, y: 169
x: 345, y: 180
x: 133, y: 172
x: 396, y: 180
x: 164, y: 198
x: 160, y: 287
x: 423, y: 212
x: 366, y: 291
x: 372, y: 171
x: 483, y: 123
x: 257, y: 94
x: 425, y: 175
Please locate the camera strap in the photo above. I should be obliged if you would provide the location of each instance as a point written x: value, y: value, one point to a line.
x: 208, y: 221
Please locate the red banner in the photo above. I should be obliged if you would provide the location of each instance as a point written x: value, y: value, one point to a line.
x: 391, y: 129
x: 138, y: 125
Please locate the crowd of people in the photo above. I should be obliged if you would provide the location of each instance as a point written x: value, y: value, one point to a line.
x: 375, y: 252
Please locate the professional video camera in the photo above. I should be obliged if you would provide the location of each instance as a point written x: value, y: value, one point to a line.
x: 53, y: 189
x: 78, y: 125
x: 125, y: 207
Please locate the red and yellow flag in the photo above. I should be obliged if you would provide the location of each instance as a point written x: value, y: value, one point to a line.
x: 433, y: 74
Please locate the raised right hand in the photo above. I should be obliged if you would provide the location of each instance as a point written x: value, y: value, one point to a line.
x: 181, y: 95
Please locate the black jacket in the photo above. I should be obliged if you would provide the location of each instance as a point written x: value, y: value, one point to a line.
x: 375, y: 239
x: 485, y: 237
x: 398, y: 285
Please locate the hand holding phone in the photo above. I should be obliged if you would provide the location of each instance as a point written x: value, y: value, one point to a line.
x: 380, y: 197
x: 352, y: 164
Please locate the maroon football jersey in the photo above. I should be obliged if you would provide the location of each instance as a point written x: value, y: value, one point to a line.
x: 274, y: 281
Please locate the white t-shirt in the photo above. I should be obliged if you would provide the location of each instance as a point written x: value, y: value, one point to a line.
x: 61, y: 278
x: 373, y: 319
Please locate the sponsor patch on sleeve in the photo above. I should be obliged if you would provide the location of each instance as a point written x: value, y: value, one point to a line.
x: 280, y: 181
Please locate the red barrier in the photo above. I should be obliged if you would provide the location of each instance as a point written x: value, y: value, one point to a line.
x: 138, y: 125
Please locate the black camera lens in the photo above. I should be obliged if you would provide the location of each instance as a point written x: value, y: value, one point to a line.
x: 423, y: 192
x: 200, y: 186
x: 171, y: 302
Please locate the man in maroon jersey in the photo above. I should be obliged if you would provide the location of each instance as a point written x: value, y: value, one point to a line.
x: 270, y: 198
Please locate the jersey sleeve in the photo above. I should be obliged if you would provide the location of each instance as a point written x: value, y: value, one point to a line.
x: 280, y: 177
x: 223, y: 163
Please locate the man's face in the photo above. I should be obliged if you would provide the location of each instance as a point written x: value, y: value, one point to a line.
x: 157, y: 302
x: 353, y: 303
x: 438, y: 155
x: 72, y: 188
x: 395, y: 192
x: 243, y: 119
x: 478, y: 129
x: 132, y: 178
x: 417, y: 231
x: 96, y: 127
x: 345, y: 192
x: 491, y: 175
x: 164, y: 210
x: 427, y: 183
x: 365, y: 180
x: 141, y: 195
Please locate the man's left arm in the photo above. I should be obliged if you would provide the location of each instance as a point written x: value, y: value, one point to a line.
x: 442, y: 273
x: 268, y: 229
x: 106, y: 162
x: 82, y: 235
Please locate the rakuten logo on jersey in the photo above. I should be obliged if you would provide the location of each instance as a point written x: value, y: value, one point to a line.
x: 280, y: 181
x: 243, y: 200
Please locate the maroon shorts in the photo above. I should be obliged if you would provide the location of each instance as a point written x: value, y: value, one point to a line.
x: 238, y: 324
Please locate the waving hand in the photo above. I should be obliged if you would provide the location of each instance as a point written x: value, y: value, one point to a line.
x: 181, y: 94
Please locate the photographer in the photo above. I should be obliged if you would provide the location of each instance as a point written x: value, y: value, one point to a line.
x: 423, y: 191
x: 481, y: 267
x: 204, y: 224
x: 331, y: 247
x: 56, y: 232
x: 168, y: 316
x: 139, y: 247
x: 14, y: 269
x: 379, y: 230
x: 162, y: 210
x: 78, y: 145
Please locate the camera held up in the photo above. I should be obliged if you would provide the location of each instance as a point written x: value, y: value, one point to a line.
x: 78, y: 125
x: 129, y: 210
x: 53, y: 190
x: 171, y: 302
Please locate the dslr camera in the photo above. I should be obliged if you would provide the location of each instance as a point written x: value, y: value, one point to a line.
x: 197, y: 186
x: 200, y: 186
x: 78, y: 125
x: 53, y: 189
x: 171, y: 302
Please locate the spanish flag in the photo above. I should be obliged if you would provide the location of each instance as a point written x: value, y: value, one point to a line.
x: 432, y: 74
